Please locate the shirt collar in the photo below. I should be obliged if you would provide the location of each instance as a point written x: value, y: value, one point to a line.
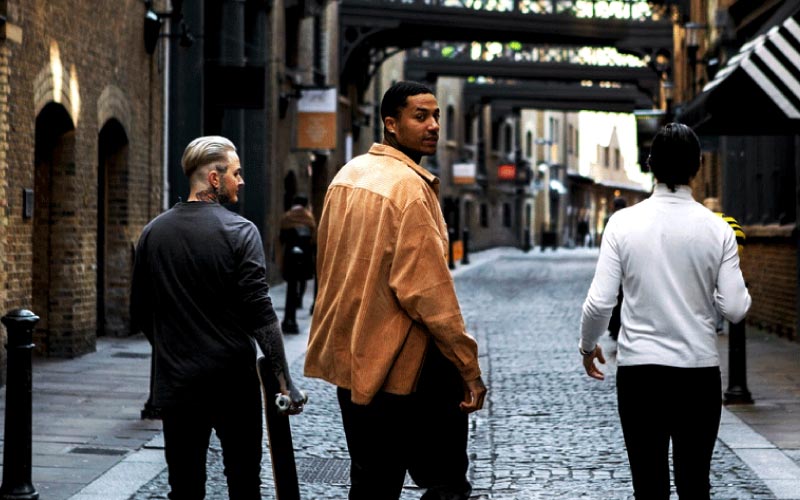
x: 384, y: 150
x: 682, y: 192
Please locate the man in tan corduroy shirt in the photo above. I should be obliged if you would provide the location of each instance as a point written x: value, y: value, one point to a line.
x: 387, y: 328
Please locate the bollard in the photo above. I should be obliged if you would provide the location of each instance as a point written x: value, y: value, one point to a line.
x: 17, y: 454
x: 737, y: 392
x: 526, y: 240
x: 451, y: 236
x: 465, y: 242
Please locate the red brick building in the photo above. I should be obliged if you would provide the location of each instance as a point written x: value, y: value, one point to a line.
x: 81, y: 141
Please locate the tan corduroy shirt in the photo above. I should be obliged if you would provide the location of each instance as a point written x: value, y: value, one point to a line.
x: 384, y: 286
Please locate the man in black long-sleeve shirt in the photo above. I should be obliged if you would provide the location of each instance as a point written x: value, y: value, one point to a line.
x: 200, y: 295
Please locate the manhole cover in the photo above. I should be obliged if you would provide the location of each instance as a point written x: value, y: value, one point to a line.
x: 97, y: 451
x: 335, y: 471
x: 138, y: 355
x: 324, y: 470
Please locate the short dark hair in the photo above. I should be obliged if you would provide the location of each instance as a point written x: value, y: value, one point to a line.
x: 675, y: 155
x: 395, y: 97
x: 619, y: 203
x: 300, y: 199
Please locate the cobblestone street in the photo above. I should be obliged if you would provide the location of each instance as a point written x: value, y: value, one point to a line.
x: 547, y: 431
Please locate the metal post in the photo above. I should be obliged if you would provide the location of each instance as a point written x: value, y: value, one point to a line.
x: 17, y: 454
x: 526, y: 240
x: 737, y: 392
x: 451, y: 236
x: 465, y: 243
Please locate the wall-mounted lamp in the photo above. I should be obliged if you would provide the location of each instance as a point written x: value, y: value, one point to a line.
x: 284, y: 99
x: 152, y: 27
x: 693, y: 35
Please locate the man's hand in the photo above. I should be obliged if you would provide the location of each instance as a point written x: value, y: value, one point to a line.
x: 296, y: 399
x: 590, y: 367
x: 474, y: 394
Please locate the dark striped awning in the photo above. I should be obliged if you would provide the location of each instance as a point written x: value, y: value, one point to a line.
x: 757, y: 92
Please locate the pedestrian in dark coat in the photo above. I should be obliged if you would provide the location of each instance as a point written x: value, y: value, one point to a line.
x: 200, y: 295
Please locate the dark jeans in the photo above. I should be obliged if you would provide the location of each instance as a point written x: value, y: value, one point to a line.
x: 424, y: 433
x: 662, y: 403
x: 235, y: 414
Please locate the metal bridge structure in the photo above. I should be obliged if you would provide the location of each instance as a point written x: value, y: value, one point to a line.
x: 372, y: 30
x: 551, y: 78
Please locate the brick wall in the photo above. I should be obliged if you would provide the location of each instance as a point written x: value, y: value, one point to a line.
x: 4, y: 248
x: 85, y: 60
x: 769, y: 265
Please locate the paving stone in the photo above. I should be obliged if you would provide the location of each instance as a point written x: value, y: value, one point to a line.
x: 547, y: 430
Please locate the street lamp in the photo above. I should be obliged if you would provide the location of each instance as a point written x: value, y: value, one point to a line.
x: 152, y: 27
x: 693, y: 32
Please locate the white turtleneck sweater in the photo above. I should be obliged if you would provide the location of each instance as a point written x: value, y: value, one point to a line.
x: 677, y: 262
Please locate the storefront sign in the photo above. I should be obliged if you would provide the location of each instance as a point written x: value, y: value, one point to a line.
x: 507, y: 172
x: 316, y: 120
x: 464, y: 173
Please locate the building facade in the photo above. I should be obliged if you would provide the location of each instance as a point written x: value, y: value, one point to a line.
x: 80, y: 163
x: 728, y: 49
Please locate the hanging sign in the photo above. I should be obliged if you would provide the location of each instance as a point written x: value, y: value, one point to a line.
x: 506, y: 172
x: 316, y: 120
x: 464, y: 173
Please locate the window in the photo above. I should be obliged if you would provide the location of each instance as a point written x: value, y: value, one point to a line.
x: 469, y: 129
x: 570, y: 137
x: 529, y: 144
x: 450, y: 123
x: 508, y: 141
x: 617, y: 159
x: 484, y: 215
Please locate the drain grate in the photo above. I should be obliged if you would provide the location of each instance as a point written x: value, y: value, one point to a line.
x: 324, y: 470
x: 125, y: 354
x: 334, y: 471
x: 87, y: 450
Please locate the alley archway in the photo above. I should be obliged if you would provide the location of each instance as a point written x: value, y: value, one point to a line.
x: 114, y: 253
x: 54, y: 158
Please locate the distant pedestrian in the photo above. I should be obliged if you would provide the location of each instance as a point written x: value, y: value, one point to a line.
x: 677, y: 262
x: 200, y: 295
x: 387, y: 328
x: 297, y: 238
x: 583, y: 232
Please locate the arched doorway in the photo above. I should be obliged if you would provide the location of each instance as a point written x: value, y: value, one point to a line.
x: 54, y: 158
x: 114, y: 253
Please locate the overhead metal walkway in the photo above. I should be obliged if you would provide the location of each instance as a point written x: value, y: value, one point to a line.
x: 373, y: 29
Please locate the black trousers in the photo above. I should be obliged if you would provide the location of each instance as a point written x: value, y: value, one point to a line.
x: 235, y: 414
x: 424, y: 433
x: 662, y: 403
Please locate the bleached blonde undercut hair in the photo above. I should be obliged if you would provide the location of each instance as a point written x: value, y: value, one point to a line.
x: 204, y: 151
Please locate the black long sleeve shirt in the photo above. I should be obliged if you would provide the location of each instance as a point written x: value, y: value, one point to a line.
x: 199, y: 291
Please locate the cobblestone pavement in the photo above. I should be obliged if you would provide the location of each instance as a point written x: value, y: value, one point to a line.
x: 547, y: 431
